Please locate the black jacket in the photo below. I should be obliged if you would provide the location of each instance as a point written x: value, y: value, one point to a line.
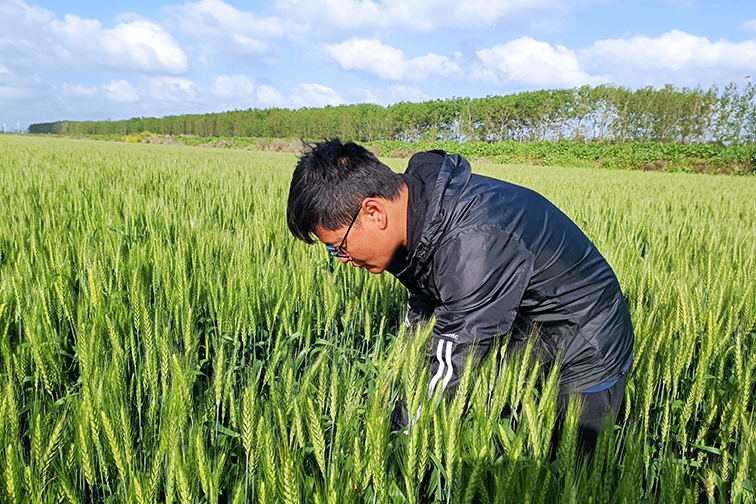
x: 487, y: 257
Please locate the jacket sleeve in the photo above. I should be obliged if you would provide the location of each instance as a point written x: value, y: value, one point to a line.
x: 418, y: 309
x: 480, y: 277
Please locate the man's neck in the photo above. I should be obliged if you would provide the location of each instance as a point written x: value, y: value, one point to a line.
x: 403, y: 207
x: 398, y: 210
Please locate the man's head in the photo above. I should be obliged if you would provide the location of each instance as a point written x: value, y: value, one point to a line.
x: 336, y: 185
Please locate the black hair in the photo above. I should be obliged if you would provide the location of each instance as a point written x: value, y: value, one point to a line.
x: 330, y: 181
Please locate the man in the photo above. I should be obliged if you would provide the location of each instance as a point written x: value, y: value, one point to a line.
x: 483, y: 256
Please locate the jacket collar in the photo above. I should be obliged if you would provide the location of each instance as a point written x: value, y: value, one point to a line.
x: 450, y: 181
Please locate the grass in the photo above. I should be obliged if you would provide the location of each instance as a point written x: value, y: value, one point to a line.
x: 164, y: 339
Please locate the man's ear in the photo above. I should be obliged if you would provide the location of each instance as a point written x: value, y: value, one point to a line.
x: 376, y: 211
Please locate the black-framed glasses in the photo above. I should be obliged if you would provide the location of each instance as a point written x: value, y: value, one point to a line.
x: 339, y: 251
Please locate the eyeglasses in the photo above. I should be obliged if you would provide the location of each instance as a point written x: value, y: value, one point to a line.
x: 339, y: 251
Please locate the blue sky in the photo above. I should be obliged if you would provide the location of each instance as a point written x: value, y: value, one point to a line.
x: 93, y: 59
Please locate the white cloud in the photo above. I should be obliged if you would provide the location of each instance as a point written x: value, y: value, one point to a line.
x: 426, y: 16
x: 127, y: 17
x: 229, y: 32
x: 31, y: 37
x: 673, y: 57
x: 227, y: 87
x: 144, y: 46
x: 423, y: 16
x: 250, y: 46
x: 139, y: 45
x: 313, y: 95
x: 172, y: 89
x: 241, y: 92
x: 210, y: 17
x: 268, y: 95
x: 16, y: 16
x: 121, y: 91
x: 386, y: 62
x: 244, y: 92
x: 528, y: 62
x: 76, y: 90
x: 749, y: 25
x: 3, y: 69
x: 324, y: 15
x: 404, y: 93
x: 388, y: 96
x: 11, y: 93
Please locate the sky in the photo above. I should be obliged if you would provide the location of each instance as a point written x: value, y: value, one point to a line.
x: 98, y: 60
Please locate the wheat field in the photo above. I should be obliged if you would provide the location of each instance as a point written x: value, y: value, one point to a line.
x: 163, y: 338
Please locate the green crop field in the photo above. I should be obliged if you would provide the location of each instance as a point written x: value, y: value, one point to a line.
x: 163, y: 338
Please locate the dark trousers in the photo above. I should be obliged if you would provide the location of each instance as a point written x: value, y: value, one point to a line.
x: 596, y: 407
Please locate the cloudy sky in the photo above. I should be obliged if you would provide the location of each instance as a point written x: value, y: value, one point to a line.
x: 95, y: 59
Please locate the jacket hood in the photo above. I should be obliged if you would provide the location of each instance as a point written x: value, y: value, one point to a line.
x: 450, y: 181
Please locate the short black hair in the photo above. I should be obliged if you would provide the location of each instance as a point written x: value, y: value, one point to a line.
x: 330, y: 181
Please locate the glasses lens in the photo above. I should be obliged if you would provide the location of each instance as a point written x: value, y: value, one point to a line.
x: 339, y: 252
x: 336, y: 252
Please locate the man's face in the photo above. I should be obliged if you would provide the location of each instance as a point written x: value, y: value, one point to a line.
x: 368, y: 245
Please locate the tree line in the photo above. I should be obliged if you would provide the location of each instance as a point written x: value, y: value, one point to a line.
x: 603, y: 114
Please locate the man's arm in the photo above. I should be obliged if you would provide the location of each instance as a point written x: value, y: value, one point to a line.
x: 481, y: 277
x: 419, y: 309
